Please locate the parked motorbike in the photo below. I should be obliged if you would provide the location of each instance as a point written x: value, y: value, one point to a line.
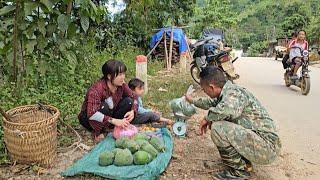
x: 207, y: 52
x: 304, y: 81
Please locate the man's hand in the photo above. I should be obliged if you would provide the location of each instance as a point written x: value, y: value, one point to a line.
x: 129, y: 116
x: 189, y: 98
x: 204, y: 124
x: 120, y: 123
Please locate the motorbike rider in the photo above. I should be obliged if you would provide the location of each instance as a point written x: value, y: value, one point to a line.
x: 286, y: 56
x: 295, y: 53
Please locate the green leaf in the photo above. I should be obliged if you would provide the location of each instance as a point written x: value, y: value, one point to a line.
x: 93, y: 6
x: 29, y: 7
x: 63, y: 22
x: 71, y: 57
x: 48, y: 4
x: 42, y: 67
x: 30, y: 46
x: 42, y: 26
x: 6, y: 22
x: 62, y: 48
x: 85, y: 23
x: 1, y: 44
x: 78, y: 2
x: 42, y: 43
x: 72, y: 30
x: 51, y: 28
x: 31, y: 29
x: 5, y: 10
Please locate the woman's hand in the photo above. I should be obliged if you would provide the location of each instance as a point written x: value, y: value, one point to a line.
x: 129, y: 116
x: 121, y: 123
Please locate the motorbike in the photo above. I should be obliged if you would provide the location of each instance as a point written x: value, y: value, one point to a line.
x: 207, y: 52
x: 304, y: 81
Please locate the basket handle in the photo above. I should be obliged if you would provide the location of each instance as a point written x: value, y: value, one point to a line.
x: 43, y: 107
x: 4, y: 114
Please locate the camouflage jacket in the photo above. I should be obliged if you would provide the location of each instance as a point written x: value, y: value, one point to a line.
x: 237, y: 105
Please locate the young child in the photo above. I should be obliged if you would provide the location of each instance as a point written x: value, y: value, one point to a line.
x: 144, y: 115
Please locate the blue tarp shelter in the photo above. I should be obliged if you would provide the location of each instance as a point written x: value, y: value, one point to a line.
x: 178, y: 36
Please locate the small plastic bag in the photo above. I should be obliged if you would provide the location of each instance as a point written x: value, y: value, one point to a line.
x: 181, y: 106
x: 129, y: 131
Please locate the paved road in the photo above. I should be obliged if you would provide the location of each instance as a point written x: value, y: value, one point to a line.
x: 297, y: 116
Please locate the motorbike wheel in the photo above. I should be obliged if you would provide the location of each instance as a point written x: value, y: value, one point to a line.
x: 195, y: 72
x: 287, y: 79
x: 305, y: 85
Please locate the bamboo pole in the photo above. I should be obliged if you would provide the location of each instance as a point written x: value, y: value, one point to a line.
x: 165, y: 49
x: 182, y: 27
x: 155, y: 46
x: 170, y: 48
x: 189, y: 51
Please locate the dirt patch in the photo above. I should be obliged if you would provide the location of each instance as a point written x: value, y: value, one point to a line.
x: 187, y: 162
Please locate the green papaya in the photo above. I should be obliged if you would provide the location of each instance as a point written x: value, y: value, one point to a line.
x: 158, y: 143
x: 123, y: 157
x: 141, y: 142
x: 120, y: 143
x: 140, y: 136
x: 116, y: 150
x: 141, y: 158
x: 132, y: 146
x: 106, y: 158
x: 150, y: 149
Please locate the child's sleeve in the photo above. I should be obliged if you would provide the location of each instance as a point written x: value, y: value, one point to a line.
x: 141, y: 109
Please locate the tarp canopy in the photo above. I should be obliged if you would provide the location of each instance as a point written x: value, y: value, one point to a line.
x: 89, y: 163
x: 178, y: 36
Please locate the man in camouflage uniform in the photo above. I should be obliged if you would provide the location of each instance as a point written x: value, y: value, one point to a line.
x: 241, y: 128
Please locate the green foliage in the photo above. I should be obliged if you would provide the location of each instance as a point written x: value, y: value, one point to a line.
x: 267, y: 20
x: 208, y: 13
x: 257, y: 47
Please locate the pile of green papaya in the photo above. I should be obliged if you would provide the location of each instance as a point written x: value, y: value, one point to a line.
x: 139, y: 150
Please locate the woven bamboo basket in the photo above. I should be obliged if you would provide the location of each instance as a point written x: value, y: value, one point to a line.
x: 30, y: 134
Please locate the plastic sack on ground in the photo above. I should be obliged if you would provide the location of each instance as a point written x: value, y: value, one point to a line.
x: 89, y: 163
x: 181, y: 106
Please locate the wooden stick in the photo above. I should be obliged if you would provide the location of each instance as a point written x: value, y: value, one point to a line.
x: 170, y: 48
x: 4, y: 114
x: 155, y: 46
x: 189, y: 51
x: 165, y: 49
x: 182, y: 27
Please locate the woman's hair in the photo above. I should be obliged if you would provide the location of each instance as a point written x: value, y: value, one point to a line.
x: 294, y: 34
x: 135, y: 82
x: 113, y: 68
x: 302, y: 31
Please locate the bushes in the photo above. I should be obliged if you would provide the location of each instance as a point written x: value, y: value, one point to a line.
x: 257, y: 48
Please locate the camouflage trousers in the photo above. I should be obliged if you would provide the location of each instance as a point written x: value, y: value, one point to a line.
x: 238, y: 146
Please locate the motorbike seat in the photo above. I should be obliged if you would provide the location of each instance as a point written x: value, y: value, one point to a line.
x: 216, y: 56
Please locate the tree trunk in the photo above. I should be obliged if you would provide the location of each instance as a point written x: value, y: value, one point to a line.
x: 69, y: 9
x: 15, y: 42
x: 170, y: 48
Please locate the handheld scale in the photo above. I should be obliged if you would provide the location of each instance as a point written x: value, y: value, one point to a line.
x: 180, y: 126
